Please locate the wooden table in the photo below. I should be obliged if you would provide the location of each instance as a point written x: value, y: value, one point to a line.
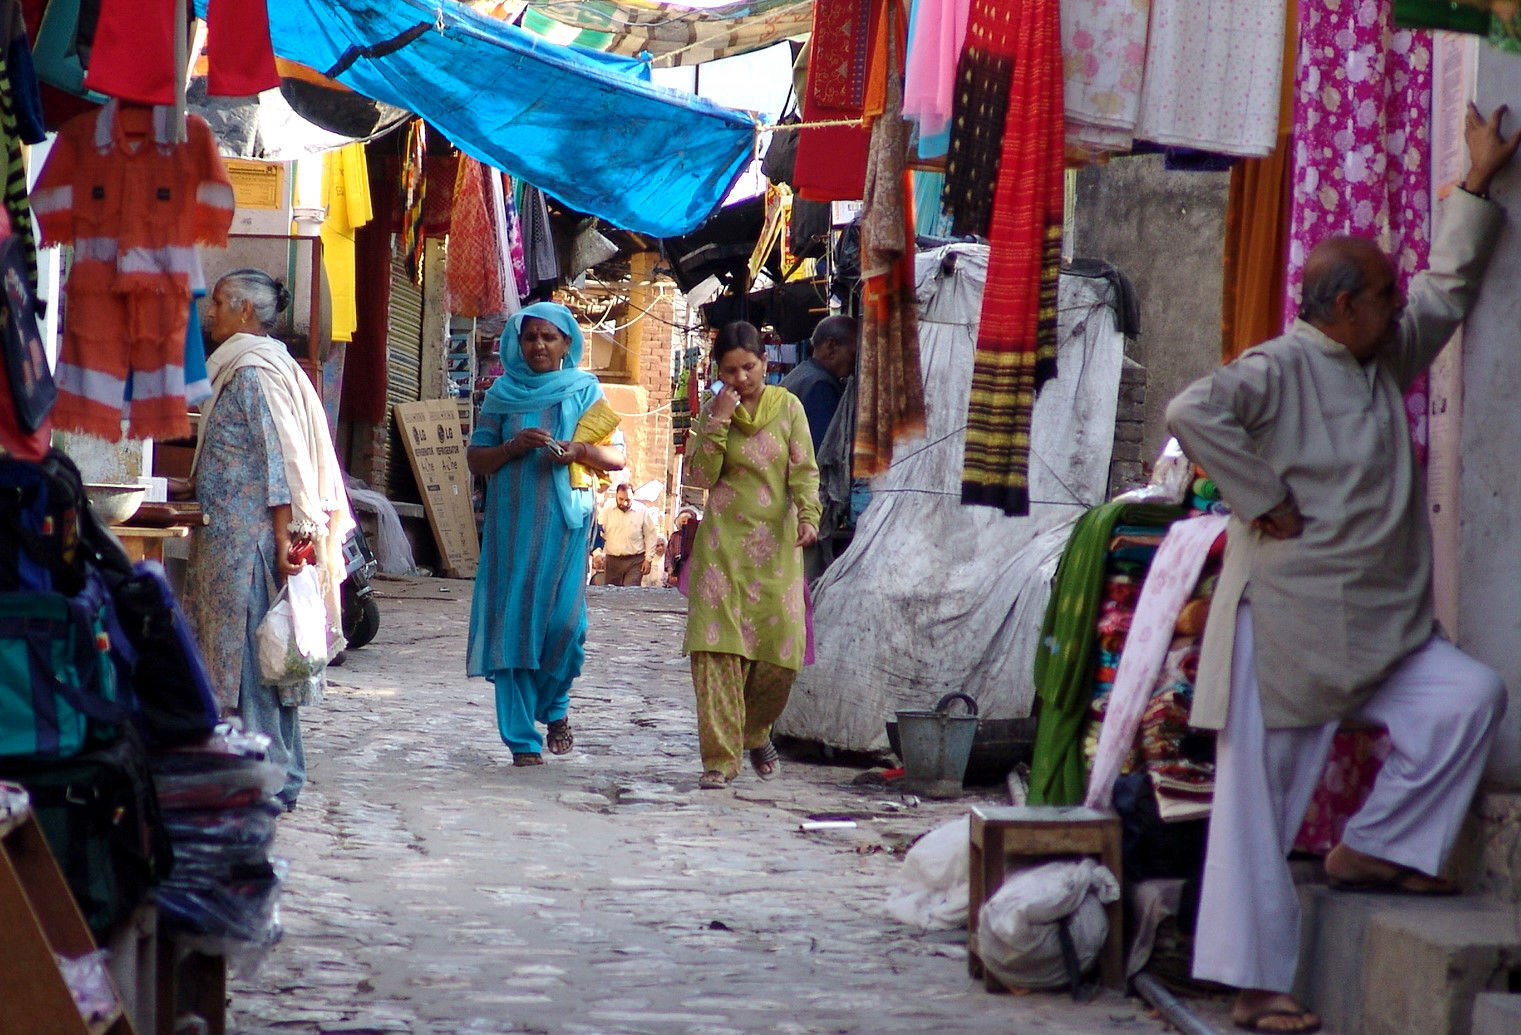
x: 147, y: 544
x: 1008, y: 838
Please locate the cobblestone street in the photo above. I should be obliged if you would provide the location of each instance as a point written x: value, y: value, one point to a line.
x: 434, y: 888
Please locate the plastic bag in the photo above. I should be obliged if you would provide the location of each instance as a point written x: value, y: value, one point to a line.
x: 1017, y: 929
x: 933, y: 892
x: 1171, y: 477
x: 293, y: 639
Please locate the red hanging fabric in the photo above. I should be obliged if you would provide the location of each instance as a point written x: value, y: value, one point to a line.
x: 1016, y: 343
x: 133, y: 54
x: 831, y: 162
x: 239, y: 54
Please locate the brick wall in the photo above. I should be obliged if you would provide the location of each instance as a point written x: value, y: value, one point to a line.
x: 1127, y: 467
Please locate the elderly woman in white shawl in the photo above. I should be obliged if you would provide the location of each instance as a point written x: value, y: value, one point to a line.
x: 270, y: 484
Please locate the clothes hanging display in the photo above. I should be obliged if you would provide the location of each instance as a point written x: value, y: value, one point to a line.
x: 497, y: 195
x: 134, y: 204
x: 1257, y: 224
x: 239, y: 56
x: 1362, y: 150
x: 937, y: 31
x: 474, y: 270
x: 1104, y: 64
x: 543, y: 260
x: 831, y: 161
x: 21, y: 74
x: 131, y: 56
x: 414, y: 189
x: 1213, y: 73
x: 346, y: 196
x: 1016, y: 342
x: 17, y: 208
x: 889, y: 384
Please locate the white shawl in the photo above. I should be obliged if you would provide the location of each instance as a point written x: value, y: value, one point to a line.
x: 319, y: 501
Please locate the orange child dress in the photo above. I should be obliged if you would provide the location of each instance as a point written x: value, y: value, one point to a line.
x: 134, y: 203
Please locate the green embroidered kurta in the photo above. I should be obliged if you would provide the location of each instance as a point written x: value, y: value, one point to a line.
x: 747, y: 569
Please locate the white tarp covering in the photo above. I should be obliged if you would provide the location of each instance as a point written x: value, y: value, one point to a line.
x: 932, y: 596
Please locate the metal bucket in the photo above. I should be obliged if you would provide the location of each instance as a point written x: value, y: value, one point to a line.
x: 936, y: 746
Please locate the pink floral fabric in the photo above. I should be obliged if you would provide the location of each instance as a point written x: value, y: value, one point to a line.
x: 1356, y: 757
x: 1362, y: 147
x: 1103, y: 64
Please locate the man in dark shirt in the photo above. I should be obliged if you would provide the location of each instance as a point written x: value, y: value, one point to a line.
x: 819, y: 380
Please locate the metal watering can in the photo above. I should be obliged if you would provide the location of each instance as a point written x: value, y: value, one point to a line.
x: 936, y: 745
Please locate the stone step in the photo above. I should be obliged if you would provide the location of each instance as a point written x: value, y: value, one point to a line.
x: 1497, y: 1013
x: 1491, y: 848
x: 1405, y: 965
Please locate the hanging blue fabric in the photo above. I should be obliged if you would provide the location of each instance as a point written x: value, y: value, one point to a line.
x: 583, y: 127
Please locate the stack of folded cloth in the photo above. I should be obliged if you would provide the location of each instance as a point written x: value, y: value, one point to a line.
x: 219, y: 807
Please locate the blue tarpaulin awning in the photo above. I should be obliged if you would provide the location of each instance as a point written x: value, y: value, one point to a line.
x: 642, y: 157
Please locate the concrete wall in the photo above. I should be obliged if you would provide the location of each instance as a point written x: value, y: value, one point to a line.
x: 1166, y: 232
x: 1489, y: 504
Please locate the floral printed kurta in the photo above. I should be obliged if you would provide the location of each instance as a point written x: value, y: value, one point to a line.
x: 240, y: 476
x: 747, y: 569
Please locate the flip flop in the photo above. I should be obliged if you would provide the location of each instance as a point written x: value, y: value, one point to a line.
x: 527, y: 758
x: 1311, y: 1023
x: 1403, y: 881
x: 561, y: 739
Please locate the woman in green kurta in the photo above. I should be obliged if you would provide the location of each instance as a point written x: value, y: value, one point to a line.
x: 746, y: 634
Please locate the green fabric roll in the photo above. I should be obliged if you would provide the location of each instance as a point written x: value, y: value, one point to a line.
x: 1064, y: 658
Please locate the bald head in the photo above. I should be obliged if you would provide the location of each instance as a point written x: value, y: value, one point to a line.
x: 1350, y: 293
x: 1335, y: 266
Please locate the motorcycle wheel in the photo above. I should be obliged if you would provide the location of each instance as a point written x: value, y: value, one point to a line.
x: 366, y: 624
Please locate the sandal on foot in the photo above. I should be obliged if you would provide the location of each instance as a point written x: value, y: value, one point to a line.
x: 765, y: 761
x: 528, y: 758
x: 561, y: 739
x: 713, y: 780
x: 1262, y: 1021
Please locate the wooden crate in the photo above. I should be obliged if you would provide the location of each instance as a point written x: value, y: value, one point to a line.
x: 1006, y: 839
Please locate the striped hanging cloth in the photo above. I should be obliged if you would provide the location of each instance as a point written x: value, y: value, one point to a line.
x: 415, y: 190
x: 1013, y: 51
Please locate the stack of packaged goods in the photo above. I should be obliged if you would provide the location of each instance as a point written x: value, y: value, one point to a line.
x: 219, y: 808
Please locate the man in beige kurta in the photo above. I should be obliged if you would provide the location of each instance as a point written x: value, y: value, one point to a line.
x: 1323, y: 609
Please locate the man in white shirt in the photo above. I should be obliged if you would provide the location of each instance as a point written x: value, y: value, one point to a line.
x: 630, y: 534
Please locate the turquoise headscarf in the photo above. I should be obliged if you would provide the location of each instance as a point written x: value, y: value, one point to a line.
x: 519, y: 390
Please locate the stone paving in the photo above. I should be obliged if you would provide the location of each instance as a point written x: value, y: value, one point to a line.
x: 436, y: 889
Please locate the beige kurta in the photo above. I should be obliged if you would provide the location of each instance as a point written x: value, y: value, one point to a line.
x: 1334, y: 609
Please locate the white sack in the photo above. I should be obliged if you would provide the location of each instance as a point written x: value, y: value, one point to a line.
x: 1017, y: 936
x: 933, y: 887
x: 393, y: 554
x: 932, y: 596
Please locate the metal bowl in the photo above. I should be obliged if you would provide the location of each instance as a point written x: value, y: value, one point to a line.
x: 115, y: 504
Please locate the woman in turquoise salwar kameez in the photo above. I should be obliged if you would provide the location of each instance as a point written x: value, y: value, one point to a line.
x: 545, y: 432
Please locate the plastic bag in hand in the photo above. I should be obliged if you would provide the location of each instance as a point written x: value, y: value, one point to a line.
x: 292, y: 639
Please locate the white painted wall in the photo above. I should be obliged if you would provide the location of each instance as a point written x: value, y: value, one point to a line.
x: 1489, y: 546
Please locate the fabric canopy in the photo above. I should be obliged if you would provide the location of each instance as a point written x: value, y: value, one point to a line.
x: 640, y: 156
x: 671, y: 34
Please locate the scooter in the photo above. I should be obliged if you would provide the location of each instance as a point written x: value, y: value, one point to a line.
x: 361, y: 612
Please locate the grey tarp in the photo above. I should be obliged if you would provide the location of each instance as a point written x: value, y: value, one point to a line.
x: 932, y: 596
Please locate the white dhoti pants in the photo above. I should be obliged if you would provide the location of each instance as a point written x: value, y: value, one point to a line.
x: 1441, y: 708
